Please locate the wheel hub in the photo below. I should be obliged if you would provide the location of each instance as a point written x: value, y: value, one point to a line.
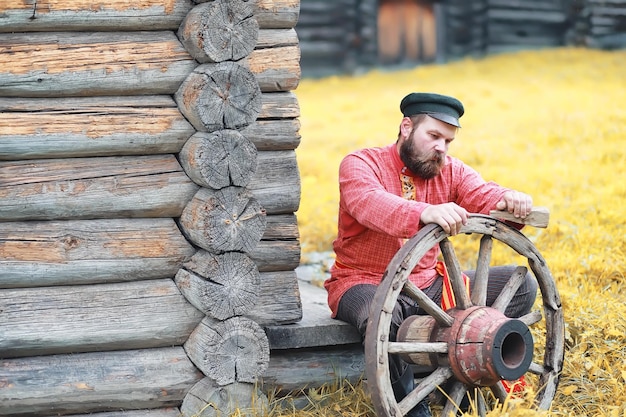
x: 484, y: 346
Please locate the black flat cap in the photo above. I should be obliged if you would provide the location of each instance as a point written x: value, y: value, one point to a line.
x: 445, y: 108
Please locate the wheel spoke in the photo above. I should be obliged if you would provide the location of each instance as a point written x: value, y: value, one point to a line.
x: 479, y: 286
x: 509, y: 290
x: 428, y: 305
x: 417, y: 347
x: 536, y: 368
x: 425, y: 387
x: 499, y: 392
x: 531, y: 318
x: 456, y: 276
x: 455, y: 396
x: 481, y: 406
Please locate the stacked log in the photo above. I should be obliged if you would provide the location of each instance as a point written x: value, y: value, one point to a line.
x: 224, y: 95
x: 365, y: 41
x: 607, y: 24
x: 464, y: 29
x: 329, y: 34
x: 525, y: 24
x: 147, y: 199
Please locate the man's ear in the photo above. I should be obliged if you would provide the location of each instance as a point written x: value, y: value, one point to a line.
x: 406, y: 125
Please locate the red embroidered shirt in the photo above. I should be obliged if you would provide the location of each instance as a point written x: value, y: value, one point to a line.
x: 375, y: 219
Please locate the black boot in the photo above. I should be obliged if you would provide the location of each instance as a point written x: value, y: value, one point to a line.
x: 402, y: 387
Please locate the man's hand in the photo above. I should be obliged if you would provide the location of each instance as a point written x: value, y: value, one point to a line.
x: 517, y: 203
x: 449, y: 216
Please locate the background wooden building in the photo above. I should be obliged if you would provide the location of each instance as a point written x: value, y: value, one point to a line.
x: 348, y: 35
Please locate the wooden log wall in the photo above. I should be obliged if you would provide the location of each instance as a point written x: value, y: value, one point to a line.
x: 525, y: 24
x: 148, y: 185
x: 329, y: 35
x: 342, y: 36
x: 604, y: 24
x: 464, y: 28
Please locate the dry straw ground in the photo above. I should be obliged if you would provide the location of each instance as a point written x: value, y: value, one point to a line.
x: 551, y: 123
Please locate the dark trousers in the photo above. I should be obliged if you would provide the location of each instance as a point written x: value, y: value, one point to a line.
x: 355, y: 304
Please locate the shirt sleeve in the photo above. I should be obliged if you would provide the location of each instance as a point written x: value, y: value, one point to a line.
x: 474, y: 193
x: 365, y: 197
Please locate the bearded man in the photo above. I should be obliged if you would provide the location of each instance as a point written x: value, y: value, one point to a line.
x: 387, y: 194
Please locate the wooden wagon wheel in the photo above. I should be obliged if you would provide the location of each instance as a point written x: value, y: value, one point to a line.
x: 500, y: 348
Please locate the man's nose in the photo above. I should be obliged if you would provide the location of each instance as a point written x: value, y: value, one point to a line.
x: 440, y: 146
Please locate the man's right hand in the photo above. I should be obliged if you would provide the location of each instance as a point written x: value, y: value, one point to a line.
x: 450, y: 216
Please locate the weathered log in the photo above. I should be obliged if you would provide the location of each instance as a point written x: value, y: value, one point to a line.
x: 219, y: 159
x: 276, y: 255
x: 85, y: 318
x: 279, y: 299
x: 279, y: 106
x: 607, y: 24
x: 604, y: 8
x: 328, y: 50
x: 142, y: 186
x: 281, y: 227
x: 509, y: 40
x: 274, y: 135
x: 279, y: 248
x: 526, y: 16
x: 277, y: 126
x: 274, y: 14
x: 277, y: 184
x: 273, y: 38
x: 208, y: 399
x: 157, y: 412
x: 229, y: 219
x: 539, y: 5
x: 209, y: 101
x: 219, y: 96
x: 92, y: 126
x: 117, y: 15
x: 99, y: 187
x: 277, y: 13
x: 97, y: 381
x: 76, y: 252
x: 315, y: 33
x: 113, y: 15
x: 234, y: 350
x: 276, y: 69
x: 221, y: 286
x: 295, y: 371
x: 221, y: 30
x: 610, y: 41
x: 90, y: 64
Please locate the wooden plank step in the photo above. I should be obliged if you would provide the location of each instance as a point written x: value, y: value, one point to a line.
x: 316, y: 328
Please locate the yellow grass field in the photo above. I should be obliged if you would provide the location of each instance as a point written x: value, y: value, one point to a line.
x: 551, y: 123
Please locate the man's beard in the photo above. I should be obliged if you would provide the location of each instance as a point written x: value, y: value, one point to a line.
x: 424, y: 166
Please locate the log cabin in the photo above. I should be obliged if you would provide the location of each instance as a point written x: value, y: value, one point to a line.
x: 148, y: 190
